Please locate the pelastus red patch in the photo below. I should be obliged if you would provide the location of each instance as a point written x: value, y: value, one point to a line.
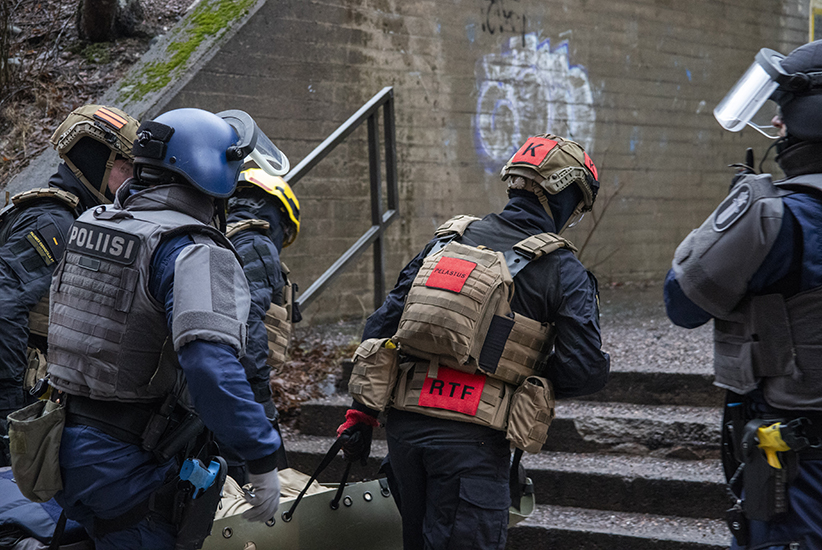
x: 453, y: 390
x: 534, y: 151
x: 450, y: 274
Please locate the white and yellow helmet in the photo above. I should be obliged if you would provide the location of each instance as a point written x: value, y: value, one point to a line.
x: 278, y: 188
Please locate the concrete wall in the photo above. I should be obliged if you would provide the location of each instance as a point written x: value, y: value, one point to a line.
x: 634, y: 81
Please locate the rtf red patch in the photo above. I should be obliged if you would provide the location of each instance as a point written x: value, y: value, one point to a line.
x: 450, y: 274
x: 534, y: 151
x: 453, y: 390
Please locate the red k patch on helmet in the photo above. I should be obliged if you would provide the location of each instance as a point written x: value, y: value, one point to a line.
x: 589, y: 164
x: 450, y: 274
x: 534, y: 151
x: 452, y: 390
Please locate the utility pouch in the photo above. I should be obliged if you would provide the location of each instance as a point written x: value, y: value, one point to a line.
x: 374, y: 374
x: 531, y: 413
x: 178, y: 437
x: 199, y: 510
x: 278, y: 329
x: 35, y: 433
x: 36, y: 368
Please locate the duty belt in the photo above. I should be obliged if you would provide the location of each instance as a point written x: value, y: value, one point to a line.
x: 123, y: 421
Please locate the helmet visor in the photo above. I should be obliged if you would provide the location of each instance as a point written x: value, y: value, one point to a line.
x: 750, y: 93
x: 254, y: 145
x: 269, y: 157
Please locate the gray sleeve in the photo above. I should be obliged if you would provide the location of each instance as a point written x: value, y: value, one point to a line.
x: 211, y: 298
x: 715, y: 263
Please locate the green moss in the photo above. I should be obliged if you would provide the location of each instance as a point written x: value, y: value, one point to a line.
x: 210, y: 19
x: 97, y: 53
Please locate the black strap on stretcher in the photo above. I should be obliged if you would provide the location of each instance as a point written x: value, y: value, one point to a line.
x: 329, y: 456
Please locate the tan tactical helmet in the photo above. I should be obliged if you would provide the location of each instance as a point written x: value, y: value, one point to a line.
x: 107, y: 125
x: 553, y: 163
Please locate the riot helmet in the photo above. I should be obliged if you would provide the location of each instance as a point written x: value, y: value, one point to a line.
x: 555, y: 169
x: 793, y: 82
x: 90, y: 140
x: 204, y: 149
x: 277, y: 188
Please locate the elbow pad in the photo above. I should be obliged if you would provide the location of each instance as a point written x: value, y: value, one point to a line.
x: 211, y: 299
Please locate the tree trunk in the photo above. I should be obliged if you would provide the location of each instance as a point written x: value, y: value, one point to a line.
x: 105, y: 20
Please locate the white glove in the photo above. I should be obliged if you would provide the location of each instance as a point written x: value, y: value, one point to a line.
x: 264, y: 496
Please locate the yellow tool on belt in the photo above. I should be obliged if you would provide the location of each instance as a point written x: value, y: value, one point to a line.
x: 770, y: 441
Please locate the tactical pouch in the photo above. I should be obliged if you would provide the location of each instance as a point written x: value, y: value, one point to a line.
x: 278, y: 328
x: 35, y: 433
x: 374, y: 374
x: 451, y: 305
x: 532, y: 410
x: 419, y: 382
x: 36, y: 368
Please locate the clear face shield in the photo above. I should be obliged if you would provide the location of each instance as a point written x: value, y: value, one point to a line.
x: 743, y: 104
x: 254, y: 145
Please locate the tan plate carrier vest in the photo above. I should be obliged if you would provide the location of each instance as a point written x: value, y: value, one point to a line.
x: 278, y: 318
x: 457, y: 316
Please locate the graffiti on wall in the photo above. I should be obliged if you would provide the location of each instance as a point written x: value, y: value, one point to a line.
x: 527, y: 90
x: 500, y: 17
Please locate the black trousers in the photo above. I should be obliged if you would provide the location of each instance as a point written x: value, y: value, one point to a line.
x: 452, y: 482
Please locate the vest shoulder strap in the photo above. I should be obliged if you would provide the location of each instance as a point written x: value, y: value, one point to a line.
x: 69, y: 199
x: 455, y: 226
x: 543, y: 244
x: 234, y: 228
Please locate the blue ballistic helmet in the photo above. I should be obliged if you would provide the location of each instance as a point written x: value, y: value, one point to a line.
x: 205, y: 149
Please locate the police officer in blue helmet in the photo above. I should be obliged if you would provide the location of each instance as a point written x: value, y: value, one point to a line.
x: 755, y: 268
x: 149, y: 308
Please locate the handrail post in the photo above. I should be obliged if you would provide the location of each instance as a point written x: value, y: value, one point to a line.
x: 380, y: 220
x: 376, y: 208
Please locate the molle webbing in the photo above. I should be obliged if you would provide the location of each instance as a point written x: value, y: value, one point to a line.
x: 234, y: 228
x: 278, y: 323
x: 493, y: 406
x: 773, y: 343
x: 108, y: 337
x: 474, y: 328
x: 32, y: 195
x: 278, y: 328
x: 528, y: 346
x: 455, y: 226
x: 453, y: 324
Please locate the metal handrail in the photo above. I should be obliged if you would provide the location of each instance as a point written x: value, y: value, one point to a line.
x: 379, y: 220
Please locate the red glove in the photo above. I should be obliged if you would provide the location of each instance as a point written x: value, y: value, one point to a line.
x: 358, y: 426
x: 354, y: 417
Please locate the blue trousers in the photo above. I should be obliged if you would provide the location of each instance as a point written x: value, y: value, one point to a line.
x: 104, y: 477
x: 803, y: 523
x: 452, y: 480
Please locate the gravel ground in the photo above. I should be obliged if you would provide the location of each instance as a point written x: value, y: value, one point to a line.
x: 638, y: 335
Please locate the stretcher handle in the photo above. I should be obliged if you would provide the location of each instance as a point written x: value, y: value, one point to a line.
x: 329, y: 456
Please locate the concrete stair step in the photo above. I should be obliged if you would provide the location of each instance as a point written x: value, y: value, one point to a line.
x: 688, y: 488
x: 583, y: 426
x: 642, y: 484
x: 569, y: 528
x: 652, y: 387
